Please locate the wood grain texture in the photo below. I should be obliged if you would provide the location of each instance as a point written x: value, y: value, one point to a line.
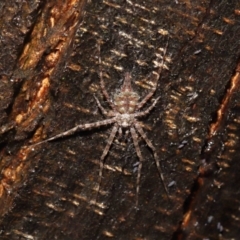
x: 49, y: 75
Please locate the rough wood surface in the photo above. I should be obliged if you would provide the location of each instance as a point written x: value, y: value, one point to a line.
x: 49, y: 75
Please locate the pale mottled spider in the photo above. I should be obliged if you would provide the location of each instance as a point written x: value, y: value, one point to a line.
x: 124, y: 113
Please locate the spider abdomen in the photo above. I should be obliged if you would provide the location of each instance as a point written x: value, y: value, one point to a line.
x: 126, y: 102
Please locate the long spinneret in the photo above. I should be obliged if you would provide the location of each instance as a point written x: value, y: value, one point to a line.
x: 125, y: 109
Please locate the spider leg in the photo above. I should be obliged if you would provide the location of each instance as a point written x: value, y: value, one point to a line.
x: 139, y: 154
x: 83, y: 127
x: 150, y: 145
x: 105, y: 113
x: 145, y: 112
x: 102, y: 84
x: 157, y: 76
x: 104, y: 154
x: 120, y: 132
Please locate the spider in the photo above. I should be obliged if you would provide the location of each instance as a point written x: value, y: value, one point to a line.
x: 124, y: 114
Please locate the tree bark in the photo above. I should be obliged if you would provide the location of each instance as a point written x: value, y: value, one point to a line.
x: 49, y: 76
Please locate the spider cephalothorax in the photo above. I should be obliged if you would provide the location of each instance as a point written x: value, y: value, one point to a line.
x: 124, y: 113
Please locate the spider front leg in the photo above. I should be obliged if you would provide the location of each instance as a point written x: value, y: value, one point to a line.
x: 104, y: 154
x: 156, y: 78
x: 150, y: 145
x: 104, y: 91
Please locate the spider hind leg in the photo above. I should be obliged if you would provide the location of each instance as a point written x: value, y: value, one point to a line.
x: 104, y: 154
x: 150, y: 145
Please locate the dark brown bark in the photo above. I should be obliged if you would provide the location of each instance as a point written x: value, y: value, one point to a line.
x: 49, y: 74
